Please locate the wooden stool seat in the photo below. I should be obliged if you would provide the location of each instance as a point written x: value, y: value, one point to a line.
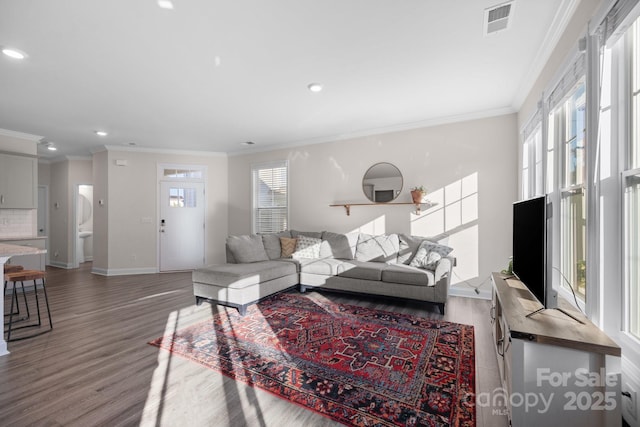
x: 10, y: 268
x: 22, y: 276
x: 13, y: 268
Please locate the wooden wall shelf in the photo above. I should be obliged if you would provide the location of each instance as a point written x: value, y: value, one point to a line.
x: 418, y: 206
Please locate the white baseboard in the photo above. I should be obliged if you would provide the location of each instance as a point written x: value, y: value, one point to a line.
x: 123, y: 271
x: 59, y: 264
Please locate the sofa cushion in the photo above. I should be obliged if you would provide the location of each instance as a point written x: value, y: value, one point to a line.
x: 287, y: 246
x: 247, y: 248
x: 383, y: 248
x: 307, y: 247
x: 339, y: 245
x: 408, y: 247
x: 242, y: 275
x: 429, y: 254
x: 363, y: 270
x: 407, y: 275
x: 271, y: 243
x: 316, y: 234
x: 325, y: 266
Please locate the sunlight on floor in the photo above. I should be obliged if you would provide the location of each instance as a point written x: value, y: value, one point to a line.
x: 152, y: 413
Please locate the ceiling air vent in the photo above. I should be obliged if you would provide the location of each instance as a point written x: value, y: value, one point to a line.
x: 497, y: 18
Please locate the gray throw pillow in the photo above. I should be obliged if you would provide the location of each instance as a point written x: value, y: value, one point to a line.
x: 315, y: 234
x: 272, y: 243
x: 408, y: 247
x: 383, y: 248
x: 429, y: 254
x: 247, y: 248
x: 339, y: 246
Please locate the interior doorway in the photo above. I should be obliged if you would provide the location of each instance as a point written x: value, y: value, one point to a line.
x: 43, y: 216
x: 84, y: 224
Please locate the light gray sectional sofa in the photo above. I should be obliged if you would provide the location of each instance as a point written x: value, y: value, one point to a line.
x: 390, y: 265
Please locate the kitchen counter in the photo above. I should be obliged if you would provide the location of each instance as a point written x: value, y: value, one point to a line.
x: 12, y: 239
x: 14, y: 250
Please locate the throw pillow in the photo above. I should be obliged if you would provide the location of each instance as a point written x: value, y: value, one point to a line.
x: 288, y: 246
x: 339, y: 245
x: 429, y: 254
x: 307, y: 247
x: 383, y: 248
x: 271, y: 243
x: 247, y: 248
x: 408, y: 247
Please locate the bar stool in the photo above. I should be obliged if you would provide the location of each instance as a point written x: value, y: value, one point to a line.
x: 12, y: 268
x: 25, y: 276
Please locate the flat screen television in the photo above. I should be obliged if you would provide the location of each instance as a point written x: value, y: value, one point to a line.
x: 530, y: 246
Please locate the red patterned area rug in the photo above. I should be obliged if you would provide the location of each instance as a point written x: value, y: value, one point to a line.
x: 358, y: 366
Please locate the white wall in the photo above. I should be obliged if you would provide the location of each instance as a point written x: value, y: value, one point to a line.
x: 468, y: 168
x: 123, y: 242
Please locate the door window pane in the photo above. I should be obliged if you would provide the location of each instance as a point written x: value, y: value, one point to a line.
x: 182, y: 197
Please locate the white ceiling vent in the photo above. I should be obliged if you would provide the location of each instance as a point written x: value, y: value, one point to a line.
x: 496, y: 18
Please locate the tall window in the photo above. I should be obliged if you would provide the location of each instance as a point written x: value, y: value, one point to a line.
x: 270, y: 197
x: 568, y: 128
x: 631, y: 184
x: 532, y: 172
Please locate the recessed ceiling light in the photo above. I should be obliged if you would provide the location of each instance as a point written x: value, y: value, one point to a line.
x: 14, y: 53
x: 248, y: 143
x: 165, y: 4
x: 51, y: 147
x: 101, y: 133
x: 315, y: 87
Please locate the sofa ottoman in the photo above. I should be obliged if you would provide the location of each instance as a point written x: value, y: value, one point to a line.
x: 239, y: 285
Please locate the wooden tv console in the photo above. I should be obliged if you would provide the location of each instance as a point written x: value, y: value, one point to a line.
x: 554, y: 370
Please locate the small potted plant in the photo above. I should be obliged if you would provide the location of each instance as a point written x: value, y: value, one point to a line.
x: 417, y: 194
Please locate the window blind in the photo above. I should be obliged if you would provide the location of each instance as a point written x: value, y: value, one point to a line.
x: 270, y: 197
x: 568, y: 81
x: 615, y: 23
x: 533, y: 123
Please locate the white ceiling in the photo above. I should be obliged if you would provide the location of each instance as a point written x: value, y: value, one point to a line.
x: 211, y: 74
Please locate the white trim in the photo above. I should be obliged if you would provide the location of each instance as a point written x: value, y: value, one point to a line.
x: 59, y: 264
x: 116, y: 148
x: 378, y: 131
x: 564, y: 13
x: 123, y: 271
x: 14, y: 134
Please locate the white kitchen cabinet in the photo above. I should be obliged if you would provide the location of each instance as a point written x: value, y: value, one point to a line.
x: 18, y: 182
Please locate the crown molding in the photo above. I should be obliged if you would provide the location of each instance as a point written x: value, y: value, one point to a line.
x: 381, y: 130
x: 564, y: 13
x: 116, y: 148
x: 21, y: 135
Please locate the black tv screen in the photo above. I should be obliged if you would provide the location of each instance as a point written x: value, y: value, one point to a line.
x: 530, y: 245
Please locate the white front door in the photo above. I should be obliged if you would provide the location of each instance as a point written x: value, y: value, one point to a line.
x: 181, y: 225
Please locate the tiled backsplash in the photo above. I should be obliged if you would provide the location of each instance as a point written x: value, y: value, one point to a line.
x: 18, y: 222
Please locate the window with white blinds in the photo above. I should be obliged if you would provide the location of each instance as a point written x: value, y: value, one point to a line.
x: 270, y: 197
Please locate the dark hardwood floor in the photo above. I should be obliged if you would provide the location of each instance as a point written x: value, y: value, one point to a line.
x: 96, y: 369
